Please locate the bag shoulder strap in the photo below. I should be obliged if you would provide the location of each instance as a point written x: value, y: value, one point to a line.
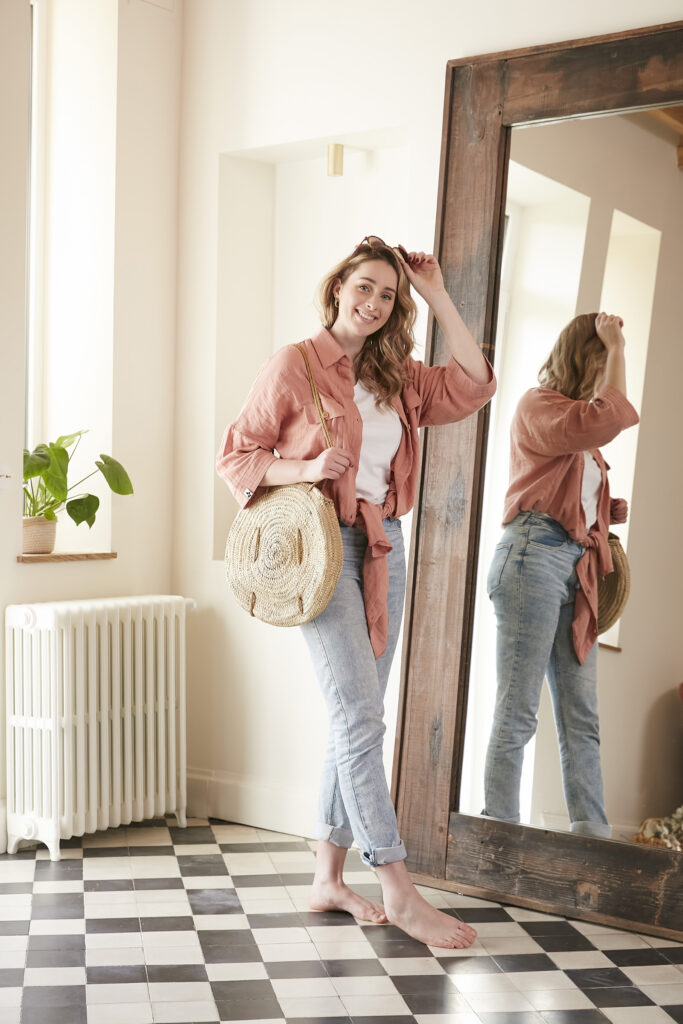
x: 316, y: 397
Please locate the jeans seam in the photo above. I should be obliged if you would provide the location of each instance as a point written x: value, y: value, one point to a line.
x: 346, y: 724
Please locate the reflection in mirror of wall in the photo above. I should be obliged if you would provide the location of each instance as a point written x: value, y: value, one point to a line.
x: 594, y: 220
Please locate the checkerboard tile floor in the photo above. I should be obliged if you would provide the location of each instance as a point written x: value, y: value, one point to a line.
x: 153, y: 923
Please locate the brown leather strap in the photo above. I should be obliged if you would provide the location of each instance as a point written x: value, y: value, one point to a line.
x: 316, y: 397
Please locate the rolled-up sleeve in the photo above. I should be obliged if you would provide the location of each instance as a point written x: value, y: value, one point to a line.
x: 246, y: 449
x: 448, y: 393
x: 557, y: 425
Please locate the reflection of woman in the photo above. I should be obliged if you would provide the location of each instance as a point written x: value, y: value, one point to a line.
x: 376, y: 397
x: 543, y: 576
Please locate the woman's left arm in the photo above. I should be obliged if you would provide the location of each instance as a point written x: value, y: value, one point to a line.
x: 424, y: 273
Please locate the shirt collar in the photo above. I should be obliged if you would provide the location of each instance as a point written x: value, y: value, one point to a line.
x: 327, y: 349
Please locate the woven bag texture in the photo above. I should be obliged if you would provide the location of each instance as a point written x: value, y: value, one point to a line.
x: 284, y: 554
x: 614, y: 589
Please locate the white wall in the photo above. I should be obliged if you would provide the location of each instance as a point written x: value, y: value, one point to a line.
x: 260, y: 74
x: 142, y: 386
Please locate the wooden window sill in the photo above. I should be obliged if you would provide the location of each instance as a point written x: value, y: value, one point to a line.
x: 68, y: 556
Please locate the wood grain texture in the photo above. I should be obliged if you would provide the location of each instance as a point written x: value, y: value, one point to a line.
x: 595, y: 880
x: 484, y: 97
x: 442, y: 528
x: 65, y: 556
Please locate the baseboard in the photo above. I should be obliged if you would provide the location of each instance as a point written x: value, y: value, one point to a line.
x: 560, y: 823
x: 3, y: 826
x: 250, y: 801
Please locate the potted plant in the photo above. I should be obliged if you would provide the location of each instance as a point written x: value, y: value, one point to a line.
x: 46, y: 490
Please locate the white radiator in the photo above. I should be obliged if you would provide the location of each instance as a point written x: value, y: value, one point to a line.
x: 95, y: 715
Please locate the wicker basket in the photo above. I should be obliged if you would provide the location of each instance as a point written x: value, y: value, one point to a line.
x: 38, y: 535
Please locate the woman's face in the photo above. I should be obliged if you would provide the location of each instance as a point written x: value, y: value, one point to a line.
x: 366, y: 298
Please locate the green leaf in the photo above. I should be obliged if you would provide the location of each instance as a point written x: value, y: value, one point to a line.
x: 49, y: 514
x: 36, y: 461
x: 115, y: 475
x: 54, y: 477
x: 82, y: 510
x: 66, y: 440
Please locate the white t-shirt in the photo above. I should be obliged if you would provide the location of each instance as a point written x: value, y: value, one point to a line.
x: 381, y: 437
x: 590, y: 489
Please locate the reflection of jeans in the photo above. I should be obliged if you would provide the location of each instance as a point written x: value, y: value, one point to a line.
x: 532, y: 584
x: 354, y: 796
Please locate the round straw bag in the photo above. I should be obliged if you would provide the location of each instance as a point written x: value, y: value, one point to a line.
x: 613, y: 589
x: 284, y: 552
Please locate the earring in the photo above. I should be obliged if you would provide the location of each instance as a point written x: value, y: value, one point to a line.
x: 336, y: 302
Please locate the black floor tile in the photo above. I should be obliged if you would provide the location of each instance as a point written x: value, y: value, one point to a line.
x: 241, y: 847
x: 108, y: 885
x: 675, y: 1012
x: 636, y: 957
x: 167, y: 924
x: 58, y: 942
x: 631, y: 996
x: 214, y: 901
x: 219, y: 937
x: 192, y: 835
x: 535, y: 928
x: 394, y: 1019
x: 296, y: 969
x: 11, y: 977
x: 511, y: 1017
x: 574, y: 1017
x: 91, y: 852
x: 149, y: 884
x: 513, y: 962
x: 563, y: 943
x: 483, y: 914
x: 352, y: 968
x: 151, y: 851
x: 429, y: 984
x: 98, y: 925
x: 209, y: 864
x: 53, y: 995
x: 245, y: 954
x: 251, y: 1009
x: 319, y: 918
x: 16, y: 888
x: 302, y: 878
x: 14, y: 927
x: 224, y: 991
x: 53, y: 1014
x: 254, y: 881
x: 165, y: 973
x: 277, y: 921
x: 128, y: 975
x: 289, y: 847
x: 426, y: 1001
x: 598, y: 977
x: 60, y: 957
x: 674, y: 954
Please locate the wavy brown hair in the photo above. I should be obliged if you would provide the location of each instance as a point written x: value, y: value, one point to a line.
x: 575, y: 361
x: 381, y: 364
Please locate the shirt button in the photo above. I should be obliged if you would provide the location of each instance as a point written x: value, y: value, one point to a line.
x: 248, y: 493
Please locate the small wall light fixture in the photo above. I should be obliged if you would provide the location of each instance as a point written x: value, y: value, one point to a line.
x: 335, y: 160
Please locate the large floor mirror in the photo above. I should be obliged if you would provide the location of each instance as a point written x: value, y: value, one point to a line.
x: 561, y: 190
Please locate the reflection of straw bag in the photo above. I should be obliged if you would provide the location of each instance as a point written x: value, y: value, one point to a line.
x: 284, y: 552
x: 614, y: 589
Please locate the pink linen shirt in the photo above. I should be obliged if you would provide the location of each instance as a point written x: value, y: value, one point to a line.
x: 280, y: 415
x: 548, y: 436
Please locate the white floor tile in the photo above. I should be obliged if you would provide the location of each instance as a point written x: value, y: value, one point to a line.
x: 237, y: 972
x: 497, y: 1002
x: 654, y: 974
x: 249, y: 864
x: 208, y: 882
x: 377, y: 1006
x: 411, y: 965
x: 580, y: 960
x: 15, y: 913
x: 496, y: 946
x: 180, y: 992
x: 13, y: 958
x: 273, y: 936
x: 265, y: 836
x: 54, y: 976
x: 119, y: 993
x: 235, y: 834
x: 15, y: 899
x: 522, y: 914
x: 126, y: 898
x: 327, y: 1006
x: 12, y: 1015
x: 472, y: 983
x: 303, y: 988
x: 17, y: 871
x: 9, y: 996
x: 559, y: 999
x: 653, y: 940
x: 636, y: 1015
x: 53, y: 926
x: 197, y: 849
x: 464, y: 1017
x: 161, y: 896
x: 107, y: 869
x: 184, y: 1013
x: 118, y: 908
x: 257, y: 893
x: 345, y: 950
x: 113, y: 940
x: 114, y: 957
x: 665, y: 995
x: 540, y: 981
x: 617, y: 940
x: 154, y: 867
x: 11, y: 943
x: 220, y: 922
x: 168, y: 940
x: 283, y: 951
x: 268, y: 906
x: 499, y: 930
x: 166, y: 955
x: 153, y: 908
x: 120, y: 1013
x: 476, y: 949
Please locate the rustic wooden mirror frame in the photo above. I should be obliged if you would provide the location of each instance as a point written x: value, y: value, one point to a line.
x: 627, y: 885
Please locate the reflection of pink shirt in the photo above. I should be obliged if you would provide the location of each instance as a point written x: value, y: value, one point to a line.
x: 548, y: 436
x: 279, y: 413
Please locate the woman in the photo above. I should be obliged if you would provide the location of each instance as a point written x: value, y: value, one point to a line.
x: 376, y: 397
x: 543, y: 576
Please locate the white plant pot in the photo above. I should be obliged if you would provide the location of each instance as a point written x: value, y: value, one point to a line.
x: 38, y: 535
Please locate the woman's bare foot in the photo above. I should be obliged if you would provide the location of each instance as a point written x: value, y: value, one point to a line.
x: 410, y: 912
x: 334, y: 894
x: 330, y: 892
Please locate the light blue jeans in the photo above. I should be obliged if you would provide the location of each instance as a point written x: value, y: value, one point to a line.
x: 532, y: 583
x: 354, y: 796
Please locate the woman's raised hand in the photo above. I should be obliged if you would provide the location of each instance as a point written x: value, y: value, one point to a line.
x: 424, y: 273
x: 608, y: 330
x: 329, y: 465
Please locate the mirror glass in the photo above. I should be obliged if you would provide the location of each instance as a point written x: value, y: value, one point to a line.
x: 593, y: 222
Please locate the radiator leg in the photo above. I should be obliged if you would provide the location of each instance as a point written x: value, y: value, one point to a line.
x: 53, y: 847
x: 181, y: 819
x: 13, y: 843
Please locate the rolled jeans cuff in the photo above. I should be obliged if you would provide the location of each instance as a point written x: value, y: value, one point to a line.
x: 384, y: 855
x: 596, y: 829
x: 333, y: 834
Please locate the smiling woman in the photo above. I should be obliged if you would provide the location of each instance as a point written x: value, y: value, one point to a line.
x: 375, y: 398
